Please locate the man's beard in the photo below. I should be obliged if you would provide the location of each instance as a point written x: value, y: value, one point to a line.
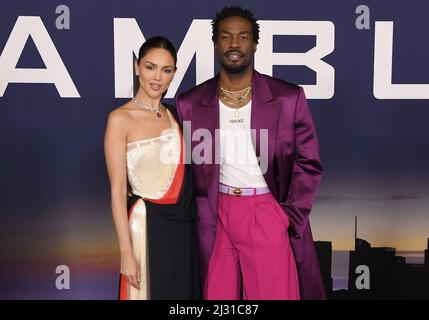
x: 235, y: 69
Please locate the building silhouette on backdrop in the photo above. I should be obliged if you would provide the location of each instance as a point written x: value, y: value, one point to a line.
x: 390, y: 277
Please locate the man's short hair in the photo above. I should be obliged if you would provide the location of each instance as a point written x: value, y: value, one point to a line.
x: 234, y: 11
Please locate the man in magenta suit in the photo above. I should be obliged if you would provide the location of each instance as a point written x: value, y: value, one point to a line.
x: 252, y: 218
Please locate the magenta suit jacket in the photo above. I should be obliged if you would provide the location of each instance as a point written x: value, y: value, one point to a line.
x: 294, y: 167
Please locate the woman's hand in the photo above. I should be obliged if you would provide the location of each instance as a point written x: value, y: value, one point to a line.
x: 130, y: 269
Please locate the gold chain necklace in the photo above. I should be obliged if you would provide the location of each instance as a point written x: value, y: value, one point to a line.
x: 228, y: 97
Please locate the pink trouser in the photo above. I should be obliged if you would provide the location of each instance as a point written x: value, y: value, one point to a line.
x: 252, y: 254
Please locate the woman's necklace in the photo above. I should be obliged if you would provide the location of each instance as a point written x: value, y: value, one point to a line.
x: 140, y: 104
x: 236, y: 101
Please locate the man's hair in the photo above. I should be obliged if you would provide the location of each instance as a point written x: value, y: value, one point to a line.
x: 234, y: 11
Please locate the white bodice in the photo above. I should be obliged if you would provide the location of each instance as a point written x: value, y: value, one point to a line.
x: 152, y: 163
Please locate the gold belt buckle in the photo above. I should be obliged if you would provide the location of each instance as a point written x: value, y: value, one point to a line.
x: 236, y: 192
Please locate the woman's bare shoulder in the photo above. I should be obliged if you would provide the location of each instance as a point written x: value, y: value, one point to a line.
x: 120, y: 115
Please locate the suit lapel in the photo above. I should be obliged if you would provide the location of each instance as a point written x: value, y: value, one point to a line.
x: 265, y: 115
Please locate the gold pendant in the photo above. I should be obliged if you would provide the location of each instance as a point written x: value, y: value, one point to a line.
x: 236, y: 113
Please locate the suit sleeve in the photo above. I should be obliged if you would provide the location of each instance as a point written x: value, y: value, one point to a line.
x: 307, y: 169
x: 179, y: 109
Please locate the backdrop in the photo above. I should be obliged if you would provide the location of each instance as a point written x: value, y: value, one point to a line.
x: 65, y: 65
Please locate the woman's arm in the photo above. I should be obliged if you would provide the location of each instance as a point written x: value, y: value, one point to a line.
x: 115, y: 153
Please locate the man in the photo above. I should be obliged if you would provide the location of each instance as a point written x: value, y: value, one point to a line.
x: 251, y: 213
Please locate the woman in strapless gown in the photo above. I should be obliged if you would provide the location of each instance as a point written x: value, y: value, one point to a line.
x: 144, y: 149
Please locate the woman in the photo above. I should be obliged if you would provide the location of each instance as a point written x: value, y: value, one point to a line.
x: 144, y: 147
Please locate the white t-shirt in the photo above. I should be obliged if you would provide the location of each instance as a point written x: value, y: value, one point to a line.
x: 239, y: 166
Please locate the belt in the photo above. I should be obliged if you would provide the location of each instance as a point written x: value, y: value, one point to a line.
x: 234, y: 191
